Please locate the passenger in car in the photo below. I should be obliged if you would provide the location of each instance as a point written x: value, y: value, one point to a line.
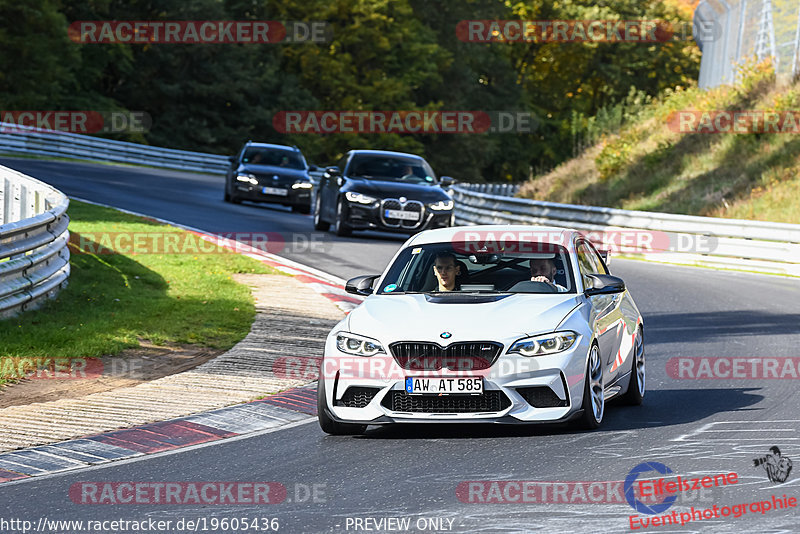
x: 544, y: 270
x: 447, y: 271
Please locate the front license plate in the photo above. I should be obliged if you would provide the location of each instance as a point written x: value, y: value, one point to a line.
x: 275, y: 191
x: 399, y: 214
x: 444, y: 386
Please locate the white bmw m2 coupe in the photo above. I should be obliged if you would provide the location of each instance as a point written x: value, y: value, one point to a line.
x: 503, y: 324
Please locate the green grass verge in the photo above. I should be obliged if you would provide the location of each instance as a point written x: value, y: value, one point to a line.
x: 113, y: 300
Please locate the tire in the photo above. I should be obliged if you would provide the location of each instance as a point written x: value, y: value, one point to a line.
x: 319, y: 224
x: 328, y: 425
x: 593, y: 400
x: 636, y: 386
x: 341, y: 228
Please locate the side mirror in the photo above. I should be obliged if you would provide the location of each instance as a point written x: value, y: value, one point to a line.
x: 313, y: 168
x: 446, y: 181
x: 333, y: 171
x: 361, y: 285
x: 604, y: 284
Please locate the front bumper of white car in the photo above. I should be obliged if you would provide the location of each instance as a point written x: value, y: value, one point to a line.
x: 517, y: 389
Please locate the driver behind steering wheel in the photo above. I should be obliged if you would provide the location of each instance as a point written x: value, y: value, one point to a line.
x: 544, y: 270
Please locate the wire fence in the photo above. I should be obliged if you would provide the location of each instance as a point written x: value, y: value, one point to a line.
x: 732, y: 32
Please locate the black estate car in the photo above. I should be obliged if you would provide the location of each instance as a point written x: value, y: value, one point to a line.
x: 381, y: 190
x: 270, y: 173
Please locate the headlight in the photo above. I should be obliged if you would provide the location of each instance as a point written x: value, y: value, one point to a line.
x: 358, y: 197
x: 545, y: 344
x: 442, y: 205
x: 358, y: 345
x: 302, y: 185
x: 249, y: 178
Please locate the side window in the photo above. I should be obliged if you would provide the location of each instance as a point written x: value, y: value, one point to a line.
x: 594, y: 256
x: 428, y: 170
x: 585, y: 265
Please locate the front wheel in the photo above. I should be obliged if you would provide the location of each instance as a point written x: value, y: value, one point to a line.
x: 342, y: 229
x: 594, y: 402
x: 319, y: 224
x: 636, y: 387
x: 328, y: 425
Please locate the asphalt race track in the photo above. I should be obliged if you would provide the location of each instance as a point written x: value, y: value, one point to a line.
x: 696, y: 427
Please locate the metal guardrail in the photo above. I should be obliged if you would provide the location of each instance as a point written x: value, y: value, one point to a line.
x: 683, y: 239
x: 34, y: 257
x: 503, y: 190
x: 22, y: 140
x: 19, y: 139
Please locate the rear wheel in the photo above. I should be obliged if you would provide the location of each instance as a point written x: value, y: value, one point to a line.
x: 328, y: 425
x: 593, y: 399
x: 636, y: 387
x: 342, y: 229
x: 319, y: 224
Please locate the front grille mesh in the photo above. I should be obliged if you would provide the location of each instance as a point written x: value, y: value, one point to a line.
x: 541, y: 397
x: 488, y: 401
x: 463, y: 356
x: 395, y: 204
x: 357, y: 397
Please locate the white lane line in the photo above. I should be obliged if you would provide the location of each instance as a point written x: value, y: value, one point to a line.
x: 753, y: 430
x: 744, y: 426
x: 159, y: 454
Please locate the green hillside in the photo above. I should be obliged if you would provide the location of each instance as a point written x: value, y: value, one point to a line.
x: 650, y: 165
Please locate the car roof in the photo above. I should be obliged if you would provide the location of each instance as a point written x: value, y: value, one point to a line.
x: 551, y: 234
x: 270, y: 145
x: 384, y: 153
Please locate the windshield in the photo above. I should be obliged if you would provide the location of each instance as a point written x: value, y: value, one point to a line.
x: 458, y: 267
x: 275, y: 157
x: 407, y: 170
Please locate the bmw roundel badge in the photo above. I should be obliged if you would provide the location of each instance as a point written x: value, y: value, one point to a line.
x: 445, y: 335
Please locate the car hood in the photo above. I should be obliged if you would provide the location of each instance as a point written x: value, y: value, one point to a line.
x: 381, y: 189
x: 413, y: 317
